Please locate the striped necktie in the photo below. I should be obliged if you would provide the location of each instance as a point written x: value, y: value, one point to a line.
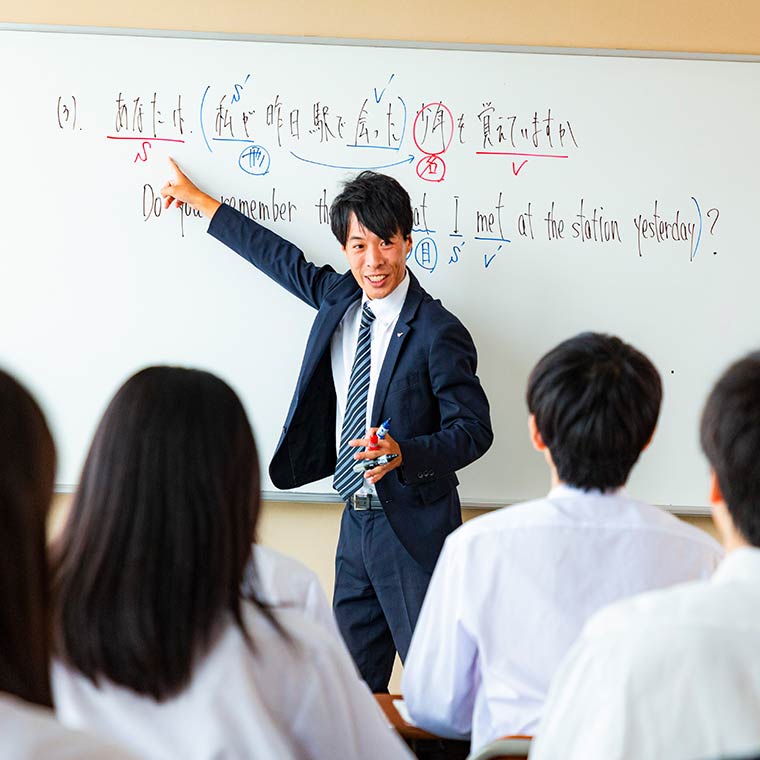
x: 347, y: 482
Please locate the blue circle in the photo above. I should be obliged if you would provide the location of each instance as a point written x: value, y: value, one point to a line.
x: 426, y: 253
x: 254, y: 160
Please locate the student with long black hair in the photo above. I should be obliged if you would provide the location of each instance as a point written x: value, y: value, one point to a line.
x: 156, y: 645
x: 28, y: 728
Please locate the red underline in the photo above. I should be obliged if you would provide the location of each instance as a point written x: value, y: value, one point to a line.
x: 501, y: 153
x: 145, y: 139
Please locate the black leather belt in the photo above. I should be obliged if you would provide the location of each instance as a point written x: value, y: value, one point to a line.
x: 364, y: 503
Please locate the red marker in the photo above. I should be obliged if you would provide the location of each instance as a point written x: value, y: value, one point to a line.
x: 373, y: 443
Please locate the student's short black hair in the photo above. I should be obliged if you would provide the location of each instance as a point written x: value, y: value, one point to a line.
x: 380, y: 203
x: 730, y: 436
x: 151, y: 557
x: 596, y: 400
x: 27, y: 470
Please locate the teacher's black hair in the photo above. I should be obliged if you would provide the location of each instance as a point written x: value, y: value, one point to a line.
x: 380, y: 203
x: 596, y: 401
x: 151, y: 558
x: 730, y: 437
x: 27, y: 470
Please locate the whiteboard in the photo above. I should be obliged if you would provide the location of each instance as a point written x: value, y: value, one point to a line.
x: 552, y: 194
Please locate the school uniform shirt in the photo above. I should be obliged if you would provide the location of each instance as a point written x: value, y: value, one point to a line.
x: 298, y: 699
x: 672, y: 674
x: 511, y: 592
x: 283, y: 582
x: 31, y: 732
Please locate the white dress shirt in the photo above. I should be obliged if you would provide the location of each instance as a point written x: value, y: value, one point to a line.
x: 284, y: 582
x: 30, y: 732
x: 343, y: 350
x: 670, y: 674
x: 299, y: 699
x: 511, y: 592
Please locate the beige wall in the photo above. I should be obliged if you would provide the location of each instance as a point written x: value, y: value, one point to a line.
x: 698, y: 25
x: 309, y: 531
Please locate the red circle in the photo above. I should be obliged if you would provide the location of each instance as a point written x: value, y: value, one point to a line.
x: 424, y: 165
x: 416, y: 119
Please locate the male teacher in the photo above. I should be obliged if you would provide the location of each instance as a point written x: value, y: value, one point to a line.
x: 380, y: 348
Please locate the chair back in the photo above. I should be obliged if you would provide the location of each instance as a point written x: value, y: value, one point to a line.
x: 508, y: 748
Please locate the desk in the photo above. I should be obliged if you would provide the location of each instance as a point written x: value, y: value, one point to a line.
x: 425, y: 745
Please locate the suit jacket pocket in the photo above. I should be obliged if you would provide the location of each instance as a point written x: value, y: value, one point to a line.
x: 436, y: 489
x: 405, y: 382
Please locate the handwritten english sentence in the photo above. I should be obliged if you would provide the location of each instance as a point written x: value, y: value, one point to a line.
x: 489, y: 229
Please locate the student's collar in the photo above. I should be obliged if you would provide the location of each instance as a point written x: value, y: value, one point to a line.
x: 387, y: 309
x: 740, y: 564
x: 566, y: 491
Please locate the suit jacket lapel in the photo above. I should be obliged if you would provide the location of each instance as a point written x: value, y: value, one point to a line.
x: 400, y: 334
x: 327, y: 320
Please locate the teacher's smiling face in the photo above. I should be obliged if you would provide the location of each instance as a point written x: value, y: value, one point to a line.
x: 378, y: 265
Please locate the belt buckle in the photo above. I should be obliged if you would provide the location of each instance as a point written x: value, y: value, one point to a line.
x: 361, y: 502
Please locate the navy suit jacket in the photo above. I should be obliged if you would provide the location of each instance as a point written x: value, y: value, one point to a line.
x: 427, y: 385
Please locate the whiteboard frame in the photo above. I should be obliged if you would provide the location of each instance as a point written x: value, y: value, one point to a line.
x: 369, y: 42
x: 305, y: 497
x: 321, y: 498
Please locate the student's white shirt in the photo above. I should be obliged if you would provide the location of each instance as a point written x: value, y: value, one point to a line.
x: 300, y: 700
x: 284, y: 583
x: 30, y: 732
x: 672, y: 674
x: 511, y: 592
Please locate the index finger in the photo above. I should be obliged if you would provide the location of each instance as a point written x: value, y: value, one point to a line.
x: 178, y: 173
